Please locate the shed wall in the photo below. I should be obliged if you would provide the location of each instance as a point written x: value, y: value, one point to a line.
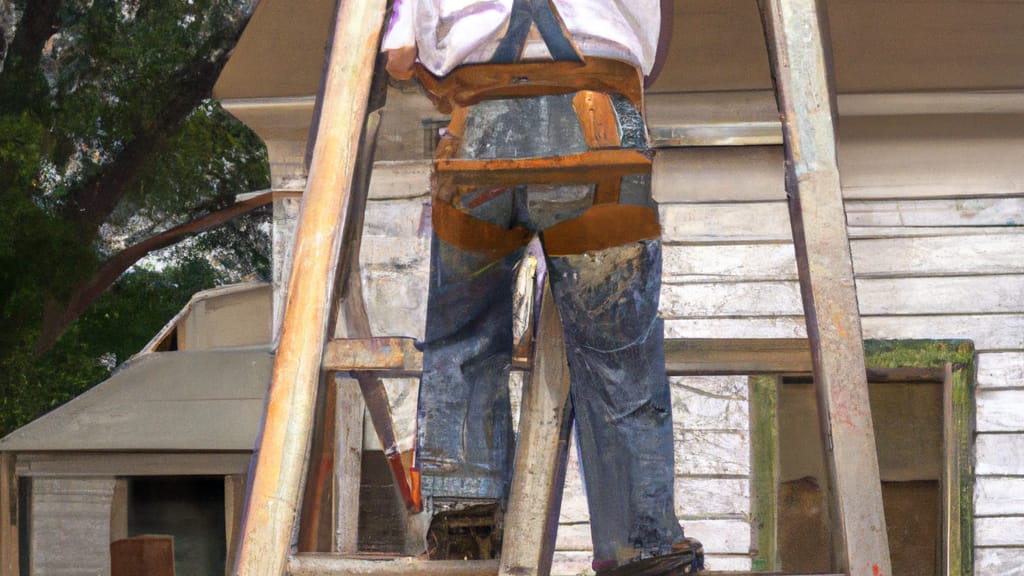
x: 936, y: 214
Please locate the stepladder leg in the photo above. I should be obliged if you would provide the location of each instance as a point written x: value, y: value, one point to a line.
x: 800, y: 57
x: 544, y: 426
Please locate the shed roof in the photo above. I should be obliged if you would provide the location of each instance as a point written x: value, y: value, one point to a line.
x: 186, y: 400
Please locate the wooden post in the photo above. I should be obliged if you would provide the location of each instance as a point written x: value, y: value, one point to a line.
x: 800, y: 58
x: 234, y: 506
x: 284, y: 442
x: 8, y: 516
x: 348, y: 460
x: 544, y: 426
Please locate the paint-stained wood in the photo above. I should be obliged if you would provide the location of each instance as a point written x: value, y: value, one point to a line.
x: 331, y: 565
x: 234, y: 508
x: 540, y: 460
x: 282, y: 451
x: 9, y: 551
x: 801, y: 70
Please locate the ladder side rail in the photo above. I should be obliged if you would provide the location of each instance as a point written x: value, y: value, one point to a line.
x: 801, y: 67
x: 545, y: 422
x: 283, y: 447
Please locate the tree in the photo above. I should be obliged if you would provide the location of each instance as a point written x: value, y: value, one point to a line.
x: 110, y: 143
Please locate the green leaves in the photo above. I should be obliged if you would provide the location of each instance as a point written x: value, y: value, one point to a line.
x: 107, y: 136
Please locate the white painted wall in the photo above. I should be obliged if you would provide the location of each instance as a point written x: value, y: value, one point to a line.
x: 937, y: 255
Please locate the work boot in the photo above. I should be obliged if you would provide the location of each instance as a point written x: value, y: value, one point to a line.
x: 465, y: 531
x: 686, y: 557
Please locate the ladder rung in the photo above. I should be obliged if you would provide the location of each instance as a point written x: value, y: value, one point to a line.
x: 396, y: 356
x: 336, y: 565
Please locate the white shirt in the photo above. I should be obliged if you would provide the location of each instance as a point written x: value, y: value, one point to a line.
x: 448, y: 33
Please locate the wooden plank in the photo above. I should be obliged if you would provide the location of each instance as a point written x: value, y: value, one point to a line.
x: 1006, y: 211
x: 330, y: 565
x: 234, y: 509
x: 764, y: 456
x: 999, y: 454
x: 801, y: 71
x: 696, y: 409
x: 348, y: 458
x: 951, y: 253
x: 85, y: 465
x: 958, y: 524
x: 540, y: 460
x: 119, y: 510
x: 1002, y: 531
x: 9, y: 550
x: 877, y: 297
x: 712, y: 452
x: 998, y: 561
x: 1000, y: 370
x: 1000, y: 410
x: 995, y: 496
x: 739, y: 356
x: 397, y: 355
x: 273, y: 502
x: 709, y: 497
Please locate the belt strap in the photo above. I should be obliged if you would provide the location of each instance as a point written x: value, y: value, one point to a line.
x: 472, y: 83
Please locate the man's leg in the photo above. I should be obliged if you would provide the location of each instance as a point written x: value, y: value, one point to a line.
x: 465, y: 428
x: 608, y: 301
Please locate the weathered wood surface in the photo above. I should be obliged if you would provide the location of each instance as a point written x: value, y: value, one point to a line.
x: 996, y: 496
x: 348, y: 458
x: 541, y: 451
x: 1001, y: 370
x: 801, y: 61
x: 85, y: 465
x: 9, y: 550
x: 999, y: 454
x: 234, y: 511
x: 999, y: 561
x: 329, y: 565
x: 70, y: 525
x: 283, y: 447
x: 1000, y: 410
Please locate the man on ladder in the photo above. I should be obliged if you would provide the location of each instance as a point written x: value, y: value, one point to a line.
x: 551, y: 92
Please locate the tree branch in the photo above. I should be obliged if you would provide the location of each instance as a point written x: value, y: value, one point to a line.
x: 56, y: 322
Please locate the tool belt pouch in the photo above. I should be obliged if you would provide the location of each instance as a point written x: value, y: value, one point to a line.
x: 604, y: 164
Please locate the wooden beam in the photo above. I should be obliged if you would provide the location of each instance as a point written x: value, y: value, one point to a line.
x: 8, y: 516
x: 348, y: 464
x: 284, y: 442
x: 105, y: 464
x: 545, y: 422
x: 800, y: 58
x: 331, y: 565
x: 234, y: 508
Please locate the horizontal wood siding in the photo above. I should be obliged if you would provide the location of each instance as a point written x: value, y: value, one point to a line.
x: 936, y: 211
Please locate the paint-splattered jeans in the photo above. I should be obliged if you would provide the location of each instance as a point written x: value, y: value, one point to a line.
x: 608, y: 302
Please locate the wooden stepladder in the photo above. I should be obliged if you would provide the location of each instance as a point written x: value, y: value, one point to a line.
x: 800, y: 63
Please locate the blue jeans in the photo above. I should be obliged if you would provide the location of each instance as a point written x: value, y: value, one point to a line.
x: 608, y: 303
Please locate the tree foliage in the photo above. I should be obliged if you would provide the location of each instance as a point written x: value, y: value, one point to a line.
x: 108, y: 136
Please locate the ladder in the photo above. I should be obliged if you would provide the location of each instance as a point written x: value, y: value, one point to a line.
x: 329, y: 214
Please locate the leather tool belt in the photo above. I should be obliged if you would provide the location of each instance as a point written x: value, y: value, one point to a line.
x: 604, y: 225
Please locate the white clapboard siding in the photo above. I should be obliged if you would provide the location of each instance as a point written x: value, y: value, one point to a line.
x: 720, y: 536
x: 1000, y: 410
x: 898, y: 296
x: 999, y: 454
x: 1004, y: 531
x: 953, y: 254
x: 999, y: 562
x: 997, y: 251
x: 942, y: 212
x: 712, y: 453
x: 1001, y: 370
x: 570, y: 563
x: 712, y: 497
x: 998, y: 496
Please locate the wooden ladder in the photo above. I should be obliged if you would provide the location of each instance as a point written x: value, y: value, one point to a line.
x: 328, y: 227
